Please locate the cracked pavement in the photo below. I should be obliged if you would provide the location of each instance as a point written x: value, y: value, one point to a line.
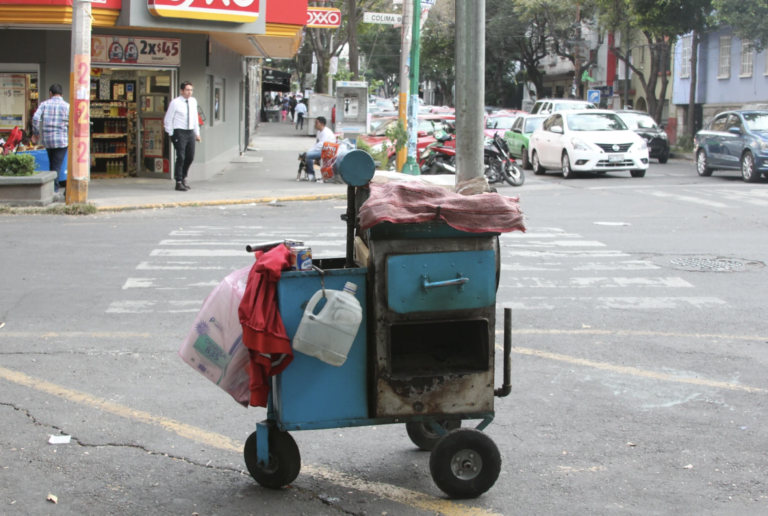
x: 619, y: 382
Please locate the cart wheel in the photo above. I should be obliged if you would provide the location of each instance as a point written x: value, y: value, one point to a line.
x: 284, y: 460
x: 424, y: 437
x: 465, y: 463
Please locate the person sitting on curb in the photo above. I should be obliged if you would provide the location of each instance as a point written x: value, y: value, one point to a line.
x: 324, y: 134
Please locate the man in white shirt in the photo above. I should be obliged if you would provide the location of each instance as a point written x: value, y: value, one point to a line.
x: 301, y: 110
x: 181, y: 125
x: 324, y: 134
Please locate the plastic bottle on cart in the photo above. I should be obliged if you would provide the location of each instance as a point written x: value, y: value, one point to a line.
x: 328, y: 335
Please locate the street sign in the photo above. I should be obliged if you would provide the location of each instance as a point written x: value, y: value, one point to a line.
x: 593, y: 96
x: 383, y: 18
x: 323, y: 17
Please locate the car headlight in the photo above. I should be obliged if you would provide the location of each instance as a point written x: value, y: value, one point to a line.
x: 579, y: 145
x: 764, y: 146
x: 643, y: 145
x: 663, y: 135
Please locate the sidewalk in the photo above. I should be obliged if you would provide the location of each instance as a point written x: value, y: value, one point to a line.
x: 261, y: 175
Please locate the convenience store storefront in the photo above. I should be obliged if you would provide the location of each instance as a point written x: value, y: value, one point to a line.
x: 138, y: 61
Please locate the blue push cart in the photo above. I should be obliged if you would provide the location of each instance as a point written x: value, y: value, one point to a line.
x: 424, y: 355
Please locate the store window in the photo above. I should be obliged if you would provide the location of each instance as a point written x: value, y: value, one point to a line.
x: 685, y: 57
x: 747, y: 59
x: 724, y: 71
x: 18, y: 101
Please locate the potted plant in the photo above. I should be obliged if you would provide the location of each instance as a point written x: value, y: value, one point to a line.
x: 21, y: 184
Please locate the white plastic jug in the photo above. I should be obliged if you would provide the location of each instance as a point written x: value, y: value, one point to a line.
x: 329, y: 334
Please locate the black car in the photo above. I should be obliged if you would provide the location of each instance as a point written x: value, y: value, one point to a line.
x: 644, y: 125
x: 734, y: 140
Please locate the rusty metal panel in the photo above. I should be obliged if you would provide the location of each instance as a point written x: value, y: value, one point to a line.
x: 435, y: 395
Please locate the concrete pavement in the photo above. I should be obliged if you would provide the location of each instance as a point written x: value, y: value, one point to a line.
x: 260, y: 175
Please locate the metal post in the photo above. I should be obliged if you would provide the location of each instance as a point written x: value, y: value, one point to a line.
x: 626, y: 66
x: 79, y: 153
x: 330, y: 75
x: 470, y: 88
x: 411, y: 166
x: 405, y: 56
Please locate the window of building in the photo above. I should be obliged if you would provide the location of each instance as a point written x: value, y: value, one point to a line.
x: 685, y: 57
x: 724, y: 70
x: 747, y: 59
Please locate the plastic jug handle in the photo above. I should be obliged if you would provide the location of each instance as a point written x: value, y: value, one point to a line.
x: 310, y: 309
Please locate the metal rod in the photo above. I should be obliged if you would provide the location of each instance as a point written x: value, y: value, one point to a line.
x: 470, y: 88
x: 506, y: 388
x: 351, y: 220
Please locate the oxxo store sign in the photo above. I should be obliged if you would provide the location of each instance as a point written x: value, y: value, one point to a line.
x: 239, y: 11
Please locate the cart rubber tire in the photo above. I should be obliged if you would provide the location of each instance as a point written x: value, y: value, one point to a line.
x: 424, y: 437
x: 284, y: 460
x: 474, y: 455
x: 637, y: 173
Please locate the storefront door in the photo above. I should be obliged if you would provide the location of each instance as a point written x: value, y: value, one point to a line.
x: 155, y: 151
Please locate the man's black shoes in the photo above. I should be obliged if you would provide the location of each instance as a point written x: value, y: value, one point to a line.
x: 185, y: 185
x: 180, y: 187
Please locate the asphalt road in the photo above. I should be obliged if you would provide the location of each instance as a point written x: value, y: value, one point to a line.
x: 639, y: 384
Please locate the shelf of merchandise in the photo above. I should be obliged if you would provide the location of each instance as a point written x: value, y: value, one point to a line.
x: 115, y: 155
x: 109, y: 135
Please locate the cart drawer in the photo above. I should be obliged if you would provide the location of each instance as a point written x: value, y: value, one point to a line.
x: 441, y: 281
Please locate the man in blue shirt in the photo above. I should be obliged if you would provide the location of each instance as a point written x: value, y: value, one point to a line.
x: 51, y: 121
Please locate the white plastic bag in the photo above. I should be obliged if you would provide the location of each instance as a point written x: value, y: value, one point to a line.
x: 214, y: 346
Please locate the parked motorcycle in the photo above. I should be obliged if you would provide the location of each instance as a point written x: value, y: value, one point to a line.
x: 440, y: 156
x: 499, y: 164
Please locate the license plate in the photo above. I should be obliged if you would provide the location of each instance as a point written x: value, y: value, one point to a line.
x: 616, y: 157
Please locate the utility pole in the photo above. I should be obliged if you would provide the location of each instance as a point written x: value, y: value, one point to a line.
x: 330, y: 73
x: 626, y: 65
x: 577, y: 55
x: 470, y: 88
x: 405, y: 55
x: 79, y: 153
x: 411, y: 166
x: 354, y: 58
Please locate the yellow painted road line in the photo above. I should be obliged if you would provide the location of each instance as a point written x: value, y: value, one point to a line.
x: 633, y: 371
x: 636, y: 333
x: 222, y: 442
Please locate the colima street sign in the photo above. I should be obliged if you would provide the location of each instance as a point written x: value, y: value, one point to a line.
x: 383, y: 18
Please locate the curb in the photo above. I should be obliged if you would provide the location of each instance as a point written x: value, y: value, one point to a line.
x: 229, y: 202
x: 681, y: 155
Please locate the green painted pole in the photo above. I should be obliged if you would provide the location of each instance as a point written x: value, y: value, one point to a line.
x: 411, y: 166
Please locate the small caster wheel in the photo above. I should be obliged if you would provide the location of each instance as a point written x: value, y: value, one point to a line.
x: 284, y: 460
x: 424, y: 437
x: 465, y: 463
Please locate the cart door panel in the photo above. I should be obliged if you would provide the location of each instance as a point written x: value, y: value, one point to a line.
x: 407, y: 274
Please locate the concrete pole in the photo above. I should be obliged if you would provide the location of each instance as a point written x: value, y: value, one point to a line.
x: 79, y: 153
x: 405, y: 54
x: 330, y: 75
x: 470, y: 88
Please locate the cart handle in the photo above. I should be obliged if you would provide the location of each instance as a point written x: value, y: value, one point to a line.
x: 459, y: 281
x: 506, y: 388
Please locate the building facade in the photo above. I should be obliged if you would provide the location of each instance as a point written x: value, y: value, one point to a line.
x: 730, y: 75
x: 138, y: 60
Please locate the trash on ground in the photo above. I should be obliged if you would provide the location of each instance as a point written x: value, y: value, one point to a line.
x: 612, y: 224
x: 689, y: 466
x: 60, y: 439
x: 53, y: 498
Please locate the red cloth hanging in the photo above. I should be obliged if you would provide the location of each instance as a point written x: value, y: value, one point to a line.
x: 263, y: 330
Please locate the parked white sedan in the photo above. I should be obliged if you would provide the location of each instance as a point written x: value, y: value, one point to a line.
x: 587, y: 141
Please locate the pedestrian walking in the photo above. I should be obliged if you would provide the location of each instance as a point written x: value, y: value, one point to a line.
x: 301, y: 111
x: 292, y: 104
x: 50, y: 123
x: 285, y: 107
x: 181, y: 125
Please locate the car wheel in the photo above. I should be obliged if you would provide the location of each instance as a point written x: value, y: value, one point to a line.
x: 748, y: 172
x: 637, y: 173
x: 702, y: 165
x: 566, y: 163
x: 537, y: 168
x: 663, y: 159
x: 524, y: 160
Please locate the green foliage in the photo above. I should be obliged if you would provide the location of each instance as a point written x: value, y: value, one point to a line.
x: 748, y: 18
x: 380, y: 157
x: 342, y: 75
x: 374, y: 86
x: 398, y: 135
x: 685, y: 143
x: 17, y: 165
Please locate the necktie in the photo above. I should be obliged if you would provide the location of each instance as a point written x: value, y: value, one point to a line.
x: 188, y: 114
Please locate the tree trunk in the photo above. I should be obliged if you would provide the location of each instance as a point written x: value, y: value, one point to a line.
x: 323, y: 65
x: 690, y: 129
x: 354, y: 59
